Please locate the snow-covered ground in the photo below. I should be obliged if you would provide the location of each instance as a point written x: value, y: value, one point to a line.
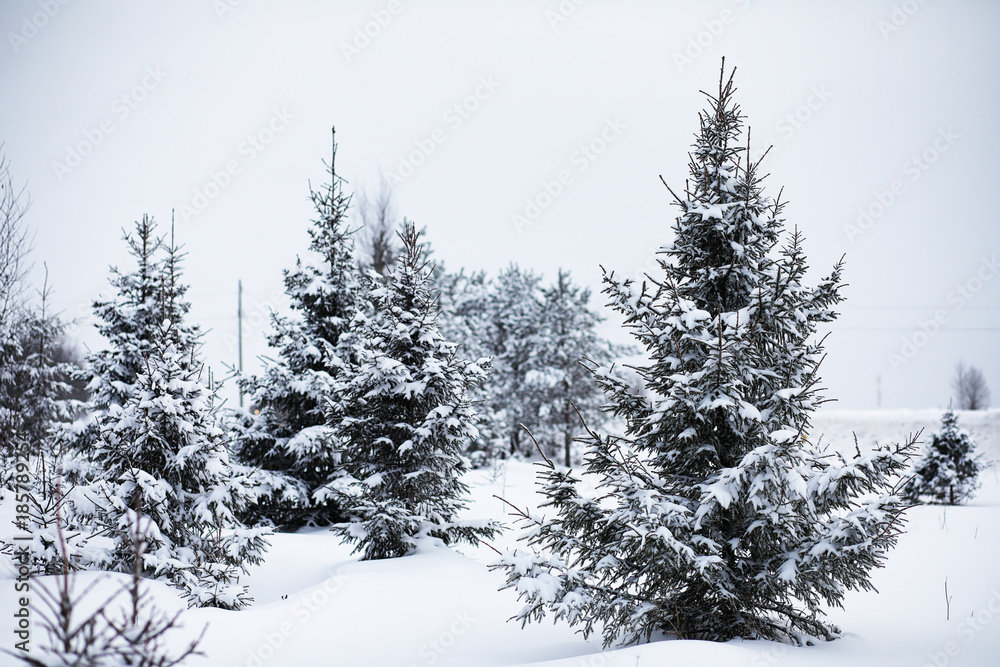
x: 318, y: 605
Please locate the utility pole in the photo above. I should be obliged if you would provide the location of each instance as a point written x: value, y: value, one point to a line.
x: 239, y: 335
x: 878, y: 384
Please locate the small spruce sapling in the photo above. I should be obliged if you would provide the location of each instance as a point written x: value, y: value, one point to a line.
x: 948, y: 472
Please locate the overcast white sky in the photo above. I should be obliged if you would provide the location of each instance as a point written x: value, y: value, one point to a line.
x: 110, y: 110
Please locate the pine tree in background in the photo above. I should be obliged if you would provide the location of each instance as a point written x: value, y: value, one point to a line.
x: 514, y: 316
x: 37, y: 404
x: 713, y: 517
x: 404, y: 421
x: 12, y: 443
x: 163, y: 456
x: 464, y: 320
x: 949, y: 470
x: 284, y: 436
x: 35, y: 391
x: 562, y: 384
x: 36, y: 394
x: 463, y: 317
x: 538, y: 337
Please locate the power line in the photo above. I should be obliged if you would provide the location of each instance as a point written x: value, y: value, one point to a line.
x: 913, y: 328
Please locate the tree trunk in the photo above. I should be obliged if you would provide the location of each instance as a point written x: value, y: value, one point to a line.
x: 567, y: 431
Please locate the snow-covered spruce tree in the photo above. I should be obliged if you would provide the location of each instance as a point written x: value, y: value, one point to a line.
x: 562, y: 386
x: 164, y: 457
x: 129, y: 320
x: 404, y: 421
x: 463, y: 317
x: 949, y: 470
x: 284, y: 436
x: 713, y: 516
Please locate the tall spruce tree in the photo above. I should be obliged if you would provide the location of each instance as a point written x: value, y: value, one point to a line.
x: 713, y: 516
x: 948, y: 472
x: 284, y: 435
x: 163, y: 457
x: 404, y: 421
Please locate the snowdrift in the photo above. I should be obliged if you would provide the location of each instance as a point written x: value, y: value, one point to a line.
x: 315, y: 604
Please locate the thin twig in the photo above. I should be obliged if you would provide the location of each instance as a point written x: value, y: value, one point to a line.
x: 537, y: 446
x: 947, y: 601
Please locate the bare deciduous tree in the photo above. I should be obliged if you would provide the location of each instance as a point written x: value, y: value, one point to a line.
x: 378, y: 249
x: 14, y: 244
x: 970, y: 388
